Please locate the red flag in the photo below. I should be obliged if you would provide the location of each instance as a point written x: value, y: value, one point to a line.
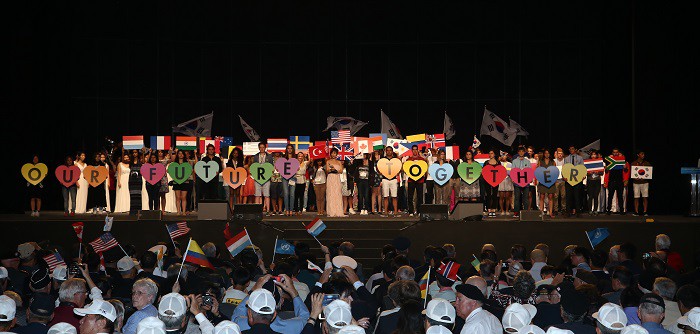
x: 103, y: 266
x: 78, y: 228
x: 227, y: 232
x: 317, y: 152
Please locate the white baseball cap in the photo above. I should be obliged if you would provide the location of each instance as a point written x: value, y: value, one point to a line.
x: 227, y: 327
x: 150, y: 325
x: 554, y: 330
x: 261, y: 301
x: 691, y: 319
x: 172, y: 305
x: 352, y: 329
x: 60, y: 273
x: 611, y: 316
x: 99, y: 307
x: 3, y: 272
x: 25, y: 250
x: 342, y: 260
x: 440, y: 309
x: 338, y: 314
x: 8, y: 308
x: 438, y: 330
x: 517, y: 316
x: 634, y: 329
x: 126, y: 263
x: 531, y: 329
x: 62, y: 328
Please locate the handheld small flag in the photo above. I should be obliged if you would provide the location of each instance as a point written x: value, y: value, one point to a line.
x: 424, y: 284
x: 284, y: 247
x: 54, y: 260
x: 238, y: 243
x: 78, y: 228
x: 476, y: 142
x: 177, y: 229
x: 103, y: 264
x: 315, y: 227
x: 194, y: 254
x: 227, y: 231
x: 104, y: 243
x: 108, y: 224
x: 312, y: 266
x: 597, y: 236
x: 449, y: 270
x: 476, y: 263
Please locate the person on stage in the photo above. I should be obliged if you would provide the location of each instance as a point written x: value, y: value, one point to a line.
x: 289, y: 186
x: 163, y: 158
x: 334, y: 193
x: 276, y: 195
x: 573, y: 200
x: 505, y: 188
x: 442, y: 192
x: 262, y: 192
x: 97, y: 196
x: 390, y: 187
x: 491, y: 192
x: 123, y: 201
x: 520, y: 194
x: 182, y: 189
x: 318, y: 179
x: 362, y: 177
x: 299, y: 178
x: 69, y: 193
x: 135, y: 183
x: 430, y: 157
x: 415, y: 187
x: 235, y: 160
x: 210, y: 190
x: 640, y: 187
x: 82, y: 184
x: 153, y: 190
x: 376, y: 183
x: 593, y: 188
x: 35, y: 192
x: 559, y: 205
x: 546, y: 193
x: 248, y: 188
x: 468, y: 192
x: 348, y: 187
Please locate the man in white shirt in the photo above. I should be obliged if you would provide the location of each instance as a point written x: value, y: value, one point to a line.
x: 538, y: 260
x: 666, y: 289
x: 468, y: 307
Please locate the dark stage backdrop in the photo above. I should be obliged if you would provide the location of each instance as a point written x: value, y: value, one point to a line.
x: 569, y: 72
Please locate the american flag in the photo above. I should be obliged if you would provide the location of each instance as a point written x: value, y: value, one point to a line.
x: 178, y: 229
x: 54, y: 260
x: 104, y: 243
x: 340, y: 137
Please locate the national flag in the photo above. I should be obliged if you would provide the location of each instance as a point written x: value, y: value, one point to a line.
x: 588, y: 149
x: 418, y: 140
x: 311, y: 266
x: 225, y: 145
x: 315, y: 227
x: 132, y: 142
x: 361, y: 145
x: 451, y: 152
x: 597, y: 236
x: 284, y: 247
x: 177, y: 229
x: 54, y: 260
x: 248, y: 130
x: 300, y: 143
x: 108, y: 224
x: 481, y: 158
x: 494, y: 126
x: 250, y: 148
x: 449, y: 270
x: 160, y: 142
x: 448, y: 127
x: 389, y: 127
x: 344, y: 123
x: 78, y: 228
x: 435, y: 141
x: 615, y: 162
x: 185, y: 143
x: 476, y: 142
x: 383, y: 136
x: 238, y: 243
x: 594, y: 165
x: 103, y: 263
x: 200, y: 126
x: 519, y: 130
x: 340, y: 137
x: 345, y: 152
x: 401, y: 146
x: 476, y: 263
x: 642, y: 172
x: 317, y: 152
x: 159, y: 258
x: 424, y: 283
x: 276, y: 145
x: 104, y: 243
x: 194, y: 254
x: 377, y: 143
x: 227, y: 231
x: 203, y: 143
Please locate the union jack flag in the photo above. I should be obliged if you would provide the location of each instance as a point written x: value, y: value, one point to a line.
x: 340, y: 137
x: 104, y: 243
x: 177, y: 229
x: 54, y: 260
x: 345, y: 152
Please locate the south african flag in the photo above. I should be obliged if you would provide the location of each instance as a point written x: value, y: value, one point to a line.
x: 614, y: 162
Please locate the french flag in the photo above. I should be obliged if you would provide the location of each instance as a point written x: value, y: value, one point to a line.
x: 160, y: 142
x: 315, y: 227
x: 451, y: 152
x: 238, y: 243
x: 132, y: 142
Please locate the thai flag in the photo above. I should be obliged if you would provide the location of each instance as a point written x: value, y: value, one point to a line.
x: 177, y: 229
x: 54, y: 260
x: 481, y: 158
x: 276, y: 144
x: 132, y: 142
x: 160, y: 142
x: 594, y: 165
x: 449, y: 270
x: 238, y: 243
x: 315, y: 227
x: 340, y: 137
x: 104, y: 243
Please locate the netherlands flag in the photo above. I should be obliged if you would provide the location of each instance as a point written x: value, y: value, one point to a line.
x: 315, y: 227
x: 481, y: 158
x: 594, y: 165
x: 160, y: 142
x: 238, y: 243
x: 276, y: 144
x: 132, y: 142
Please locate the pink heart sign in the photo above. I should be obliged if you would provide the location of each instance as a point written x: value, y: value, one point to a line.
x: 522, y: 177
x: 152, y: 173
x: 287, y: 167
x: 67, y: 175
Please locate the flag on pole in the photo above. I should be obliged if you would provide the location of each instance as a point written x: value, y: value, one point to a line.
x: 108, y: 224
x: 199, y: 126
x: 177, y: 229
x: 389, y: 127
x: 194, y: 254
x: 424, y: 283
x: 238, y: 243
x: 300, y: 143
x: 311, y: 266
x: 227, y: 231
x: 78, y: 228
x: 449, y: 270
x: 497, y: 128
x: 185, y: 143
x: 340, y: 137
x: 597, y: 236
x: 284, y: 247
x: 588, y: 149
x: 54, y: 260
x: 448, y: 127
x: 249, y: 131
x: 132, y: 142
x: 104, y: 243
x: 160, y: 142
x: 476, y: 263
x: 476, y: 142
x: 315, y: 227
x: 344, y: 123
x: 519, y: 130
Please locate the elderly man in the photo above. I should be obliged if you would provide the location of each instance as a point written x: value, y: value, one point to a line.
x: 468, y: 307
x: 620, y: 278
x: 72, y: 294
x: 651, y: 313
x: 39, y: 313
x: 243, y: 312
x: 143, y: 295
x: 539, y: 260
x: 261, y: 312
x: 440, y: 312
x: 666, y: 289
x: 97, y: 317
x: 673, y: 259
x: 610, y: 319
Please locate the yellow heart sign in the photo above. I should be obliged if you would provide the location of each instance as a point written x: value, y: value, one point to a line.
x: 573, y: 174
x: 95, y: 175
x: 415, y: 169
x: 389, y: 168
x: 34, y: 173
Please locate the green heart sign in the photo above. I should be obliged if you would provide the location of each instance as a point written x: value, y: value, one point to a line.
x: 261, y: 173
x: 180, y: 172
x: 206, y: 170
x: 469, y: 172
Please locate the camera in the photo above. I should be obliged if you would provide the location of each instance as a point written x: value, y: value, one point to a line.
x: 208, y: 299
x: 646, y: 256
x: 74, y: 270
x: 569, y: 278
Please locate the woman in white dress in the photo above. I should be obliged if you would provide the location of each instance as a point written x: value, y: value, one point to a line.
x: 123, y: 201
x: 81, y: 197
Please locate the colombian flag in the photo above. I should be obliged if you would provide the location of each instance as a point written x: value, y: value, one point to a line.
x: 195, y: 255
x: 424, y: 283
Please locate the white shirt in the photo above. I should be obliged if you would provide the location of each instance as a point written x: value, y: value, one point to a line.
x: 535, y: 270
x: 672, y: 314
x: 481, y: 321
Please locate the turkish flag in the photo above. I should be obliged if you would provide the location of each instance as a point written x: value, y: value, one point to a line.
x: 317, y: 152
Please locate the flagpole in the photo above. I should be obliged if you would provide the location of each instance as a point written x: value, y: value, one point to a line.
x: 171, y: 237
x: 183, y: 260
x: 80, y: 251
x: 427, y: 288
x: 125, y: 253
x: 302, y: 224
x: 274, y: 251
x: 589, y: 240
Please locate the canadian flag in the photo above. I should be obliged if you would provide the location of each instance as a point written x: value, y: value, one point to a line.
x: 78, y: 228
x: 361, y: 145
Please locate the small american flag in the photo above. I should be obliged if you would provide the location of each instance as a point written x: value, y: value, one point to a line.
x: 54, y: 260
x: 104, y: 243
x: 178, y: 229
x: 340, y: 137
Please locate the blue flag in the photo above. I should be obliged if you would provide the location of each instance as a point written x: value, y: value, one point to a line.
x: 284, y: 247
x: 597, y: 236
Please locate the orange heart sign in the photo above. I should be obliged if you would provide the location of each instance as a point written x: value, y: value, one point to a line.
x: 95, y: 175
x: 415, y: 169
x: 234, y: 177
x: 34, y: 173
x: 389, y: 168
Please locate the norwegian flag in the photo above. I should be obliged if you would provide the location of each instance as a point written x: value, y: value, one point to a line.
x: 435, y: 141
x: 54, y: 260
x: 340, y: 137
x: 177, y: 229
x: 104, y: 243
x: 345, y: 152
x: 449, y: 270
x: 78, y: 228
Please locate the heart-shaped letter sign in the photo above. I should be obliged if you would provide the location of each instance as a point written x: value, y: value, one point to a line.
x: 287, y: 167
x: 494, y: 175
x: 547, y: 176
x: 180, y: 172
x: 441, y: 173
x: 206, y: 171
x: 389, y: 168
x: 95, y: 175
x: 469, y: 172
x: 261, y: 173
x: 415, y: 169
x: 152, y: 173
x: 235, y: 177
x: 522, y: 177
x: 67, y: 175
x: 573, y: 174
x: 34, y: 173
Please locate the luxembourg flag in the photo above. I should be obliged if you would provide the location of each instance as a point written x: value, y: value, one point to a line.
x: 481, y: 158
x: 160, y: 142
x: 238, y: 243
x: 315, y: 227
x: 132, y: 142
x: 276, y: 144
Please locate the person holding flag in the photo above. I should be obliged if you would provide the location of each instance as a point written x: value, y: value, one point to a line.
x: 615, y: 180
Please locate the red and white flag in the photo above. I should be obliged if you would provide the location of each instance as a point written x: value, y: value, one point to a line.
x: 104, y: 243
x: 78, y: 228
x: 54, y: 260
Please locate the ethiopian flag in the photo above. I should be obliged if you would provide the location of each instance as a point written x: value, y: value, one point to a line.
x: 614, y: 162
x: 194, y: 254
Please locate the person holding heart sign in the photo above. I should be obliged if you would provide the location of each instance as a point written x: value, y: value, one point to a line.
x: 574, y: 199
x: 235, y: 160
x: 546, y: 192
x: 492, y: 191
x: 469, y: 192
x: 210, y: 189
x: 35, y: 191
x: 520, y: 192
x: 68, y: 187
x: 82, y: 184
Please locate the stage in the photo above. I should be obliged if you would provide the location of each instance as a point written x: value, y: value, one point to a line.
x: 369, y: 233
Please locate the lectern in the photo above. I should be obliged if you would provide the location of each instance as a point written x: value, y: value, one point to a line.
x: 694, y: 173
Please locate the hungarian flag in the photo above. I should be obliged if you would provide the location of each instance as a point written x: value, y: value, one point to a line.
x: 160, y: 142
x: 615, y: 162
